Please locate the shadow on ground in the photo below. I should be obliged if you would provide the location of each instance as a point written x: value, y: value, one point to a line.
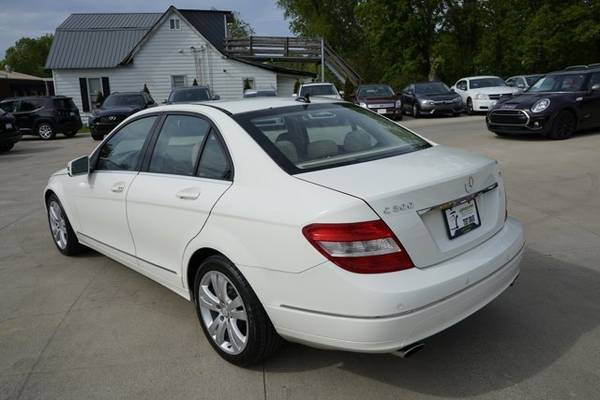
x: 514, y: 338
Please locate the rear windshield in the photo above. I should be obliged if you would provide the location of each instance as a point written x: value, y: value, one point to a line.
x: 318, y: 136
x: 559, y: 83
x: 189, y: 95
x: 317, y: 90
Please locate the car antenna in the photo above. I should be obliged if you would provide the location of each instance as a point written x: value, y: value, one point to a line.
x: 304, y: 99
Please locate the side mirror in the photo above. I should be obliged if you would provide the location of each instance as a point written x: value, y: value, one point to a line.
x: 216, y: 97
x: 79, y: 166
x: 521, y: 85
x: 341, y: 92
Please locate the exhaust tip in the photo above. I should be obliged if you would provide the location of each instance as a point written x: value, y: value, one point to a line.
x: 409, y: 350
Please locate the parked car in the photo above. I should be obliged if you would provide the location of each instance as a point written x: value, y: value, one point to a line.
x: 9, y: 134
x: 44, y: 116
x: 327, y: 224
x: 259, y: 93
x: 379, y: 98
x: 318, y: 89
x: 431, y: 98
x: 191, y: 94
x: 556, y: 106
x: 480, y: 93
x: 523, y: 82
x: 115, y: 109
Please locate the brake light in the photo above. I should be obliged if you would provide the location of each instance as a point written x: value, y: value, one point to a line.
x: 361, y: 247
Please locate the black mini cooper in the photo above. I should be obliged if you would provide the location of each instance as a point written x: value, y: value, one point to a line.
x: 556, y: 106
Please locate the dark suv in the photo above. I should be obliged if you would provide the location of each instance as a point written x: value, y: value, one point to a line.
x: 556, y: 106
x: 44, y: 116
x: 9, y: 135
x: 115, y: 109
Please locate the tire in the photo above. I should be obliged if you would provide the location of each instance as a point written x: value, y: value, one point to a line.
x: 470, y: 110
x: 256, y: 337
x: 45, y: 130
x: 97, y: 136
x: 564, y: 126
x: 415, y: 110
x: 62, y: 233
x: 501, y: 134
x: 71, y: 133
x: 6, y: 147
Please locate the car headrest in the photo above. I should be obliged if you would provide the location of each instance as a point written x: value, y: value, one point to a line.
x: 357, y: 141
x: 321, y: 149
x: 288, y: 149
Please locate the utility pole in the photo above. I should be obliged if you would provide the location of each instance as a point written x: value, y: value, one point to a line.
x: 322, y: 60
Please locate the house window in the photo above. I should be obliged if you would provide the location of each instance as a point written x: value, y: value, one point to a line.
x: 248, y: 83
x: 174, y: 24
x: 178, y: 81
x: 94, y: 88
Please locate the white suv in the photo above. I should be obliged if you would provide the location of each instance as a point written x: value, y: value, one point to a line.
x: 480, y: 93
x: 319, y: 89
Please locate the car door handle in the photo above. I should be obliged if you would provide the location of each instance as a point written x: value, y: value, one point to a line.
x: 118, y: 187
x: 188, y: 194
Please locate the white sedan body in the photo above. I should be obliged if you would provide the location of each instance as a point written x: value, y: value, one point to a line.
x: 483, y: 98
x: 160, y: 224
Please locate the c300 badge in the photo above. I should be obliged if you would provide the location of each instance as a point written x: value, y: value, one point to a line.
x: 396, y: 208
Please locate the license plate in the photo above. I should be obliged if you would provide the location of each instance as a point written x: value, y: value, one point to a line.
x: 462, y: 218
x: 9, y: 126
x: 382, y: 111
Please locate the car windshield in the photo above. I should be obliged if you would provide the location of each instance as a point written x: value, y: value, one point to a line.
x: 486, y: 82
x: 124, y: 100
x: 260, y: 93
x: 189, y: 95
x: 317, y: 136
x: 531, y: 79
x: 431, y: 88
x: 317, y: 90
x: 375, y: 91
x: 559, y: 83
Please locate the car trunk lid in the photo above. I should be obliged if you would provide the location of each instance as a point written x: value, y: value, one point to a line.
x: 409, y: 192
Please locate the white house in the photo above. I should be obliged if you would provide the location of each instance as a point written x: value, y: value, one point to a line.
x: 121, y: 52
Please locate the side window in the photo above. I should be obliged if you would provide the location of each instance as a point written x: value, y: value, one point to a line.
x: 27, y: 105
x: 462, y: 85
x: 595, y: 79
x: 123, y: 151
x: 214, y: 163
x: 178, y: 145
x: 510, y: 82
x: 8, y: 106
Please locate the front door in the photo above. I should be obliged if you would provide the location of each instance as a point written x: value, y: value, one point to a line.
x: 170, y: 200
x: 100, y: 198
x: 25, y: 115
x: 590, y: 104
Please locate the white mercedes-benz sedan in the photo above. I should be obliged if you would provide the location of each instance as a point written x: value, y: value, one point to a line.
x: 316, y: 221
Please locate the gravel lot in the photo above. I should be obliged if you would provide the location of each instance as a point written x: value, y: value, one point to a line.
x: 87, y: 327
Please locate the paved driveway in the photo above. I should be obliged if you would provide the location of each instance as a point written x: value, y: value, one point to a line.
x: 87, y: 327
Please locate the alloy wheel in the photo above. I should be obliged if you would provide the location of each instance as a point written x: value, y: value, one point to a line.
x: 45, y: 131
x: 223, y: 312
x: 565, y: 125
x: 58, y: 225
x: 415, y: 111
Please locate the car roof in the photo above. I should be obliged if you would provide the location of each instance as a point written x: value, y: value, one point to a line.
x: 125, y: 93
x: 480, y: 77
x: 317, y: 84
x: 190, y: 87
x: 244, y: 105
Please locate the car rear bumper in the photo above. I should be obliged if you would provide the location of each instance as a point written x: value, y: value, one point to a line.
x: 70, y: 125
x: 385, y: 312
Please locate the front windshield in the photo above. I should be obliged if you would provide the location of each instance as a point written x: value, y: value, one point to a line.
x: 532, y: 79
x: 431, y: 88
x: 559, y: 83
x: 124, y: 100
x: 190, y: 95
x: 486, y: 82
x: 317, y: 90
x: 375, y: 91
x: 308, y: 137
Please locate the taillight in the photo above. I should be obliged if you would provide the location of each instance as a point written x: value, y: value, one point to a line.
x: 361, y: 247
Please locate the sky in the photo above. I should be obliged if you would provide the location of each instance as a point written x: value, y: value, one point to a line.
x: 34, y: 18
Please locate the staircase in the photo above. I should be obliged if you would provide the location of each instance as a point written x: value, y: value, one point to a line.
x: 291, y: 49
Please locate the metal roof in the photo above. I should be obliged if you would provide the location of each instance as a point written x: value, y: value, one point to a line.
x: 105, y: 40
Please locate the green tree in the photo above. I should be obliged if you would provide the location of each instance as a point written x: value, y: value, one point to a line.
x: 239, y: 28
x: 28, y: 56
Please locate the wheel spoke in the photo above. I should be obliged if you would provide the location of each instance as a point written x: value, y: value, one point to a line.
x: 235, y: 303
x: 235, y: 337
x: 239, y: 314
x: 207, y: 299
x: 222, y: 288
x: 220, y: 332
